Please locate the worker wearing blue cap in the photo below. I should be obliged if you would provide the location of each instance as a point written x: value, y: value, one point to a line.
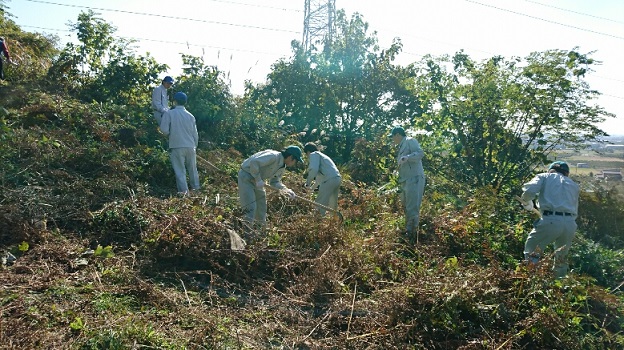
x: 558, y: 203
x: 160, y: 99
x: 179, y: 124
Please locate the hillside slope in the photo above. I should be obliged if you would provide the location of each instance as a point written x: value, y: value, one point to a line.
x: 108, y: 257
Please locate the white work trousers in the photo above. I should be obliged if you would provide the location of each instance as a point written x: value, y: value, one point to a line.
x: 328, y: 193
x: 183, y: 159
x: 551, y: 228
x: 252, y: 200
x: 158, y: 117
x: 412, y: 191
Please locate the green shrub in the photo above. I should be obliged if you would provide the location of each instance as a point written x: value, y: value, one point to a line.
x: 604, y: 265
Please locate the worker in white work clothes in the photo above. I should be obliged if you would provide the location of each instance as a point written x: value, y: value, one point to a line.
x: 411, y: 178
x: 179, y: 124
x: 255, y: 170
x: 558, y: 197
x: 160, y: 99
x: 322, y: 173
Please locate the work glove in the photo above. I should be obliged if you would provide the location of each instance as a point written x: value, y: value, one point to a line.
x: 259, y: 184
x: 403, y: 159
x: 527, y: 205
x: 308, y: 188
x: 288, y: 193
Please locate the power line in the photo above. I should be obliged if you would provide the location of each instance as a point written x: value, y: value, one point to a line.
x: 609, y: 78
x: 165, y: 16
x: 609, y: 95
x: 258, y: 52
x: 578, y: 13
x: 204, y: 46
x: 53, y: 29
x: 545, y: 20
x: 168, y: 42
x: 256, y: 5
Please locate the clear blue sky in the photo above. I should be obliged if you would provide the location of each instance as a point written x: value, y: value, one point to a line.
x: 244, y: 37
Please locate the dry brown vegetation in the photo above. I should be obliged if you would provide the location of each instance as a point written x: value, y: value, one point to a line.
x: 108, y: 258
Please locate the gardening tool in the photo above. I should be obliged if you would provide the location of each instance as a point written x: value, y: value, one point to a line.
x: 313, y: 202
x: 236, y: 242
x: 535, y: 211
x: 210, y: 165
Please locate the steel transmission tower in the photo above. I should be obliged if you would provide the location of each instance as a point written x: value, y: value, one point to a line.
x: 318, y: 22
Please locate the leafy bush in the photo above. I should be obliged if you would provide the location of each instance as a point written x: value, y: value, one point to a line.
x: 601, y: 216
x: 604, y: 265
x: 488, y: 230
x: 372, y: 161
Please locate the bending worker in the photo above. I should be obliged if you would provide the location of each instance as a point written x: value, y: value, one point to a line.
x: 324, y: 173
x: 411, y: 178
x: 558, y: 202
x: 267, y: 164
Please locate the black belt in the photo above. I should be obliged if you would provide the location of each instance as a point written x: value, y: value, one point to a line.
x: 558, y: 213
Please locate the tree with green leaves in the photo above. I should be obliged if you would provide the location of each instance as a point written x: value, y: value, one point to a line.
x: 104, y: 68
x: 350, y: 90
x: 369, y: 93
x: 492, y: 123
x: 31, y: 53
x: 210, y: 99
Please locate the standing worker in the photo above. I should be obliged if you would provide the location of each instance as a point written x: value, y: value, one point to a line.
x: 411, y: 179
x: 180, y: 126
x: 4, y: 50
x: 324, y: 173
x: 558, y: 202
x: 267, y: 164
x: 160, y: 99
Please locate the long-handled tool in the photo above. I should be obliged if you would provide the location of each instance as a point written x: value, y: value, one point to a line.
x: 236, y: 242
x: 303, y: 199
x: 204, y: 161
x: 209, y: 164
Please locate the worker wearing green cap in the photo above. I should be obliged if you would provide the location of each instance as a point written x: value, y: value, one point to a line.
x: 558, y: 204
x: 255, y: 170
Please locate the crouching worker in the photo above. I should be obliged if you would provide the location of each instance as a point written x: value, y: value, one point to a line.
x: 324, y: 173
x: 180, y: 126
x: 558, y: 202
x: 255, y: 170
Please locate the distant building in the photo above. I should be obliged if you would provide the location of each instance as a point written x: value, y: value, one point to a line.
x: 613, y: 148
x: 610, y: 175
x: 582, y: 165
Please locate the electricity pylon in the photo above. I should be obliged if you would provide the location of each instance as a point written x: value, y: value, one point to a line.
x: 318, y: 23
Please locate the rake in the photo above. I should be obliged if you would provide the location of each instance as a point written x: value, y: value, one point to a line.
x: 303, y: 199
